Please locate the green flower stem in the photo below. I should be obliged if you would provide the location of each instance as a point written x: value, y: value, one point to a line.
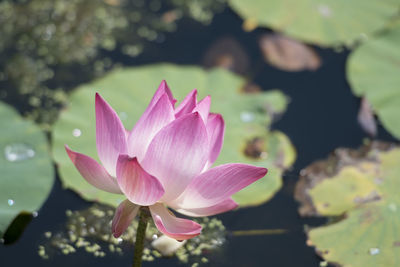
x: 144, y: 215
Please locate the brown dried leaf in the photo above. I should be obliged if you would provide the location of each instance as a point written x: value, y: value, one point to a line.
x: 255, y: 148
x: 227, y: 53
x: 288, y: 54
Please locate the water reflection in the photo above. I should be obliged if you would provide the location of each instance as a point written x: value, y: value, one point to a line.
x: 76, y: 132
x: 18, y: 152
x: 374, y: 251
x: 10, y: 202
x: 247, y: 116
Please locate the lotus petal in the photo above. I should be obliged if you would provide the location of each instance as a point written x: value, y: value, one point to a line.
x: 148, y: 125
x: 168, y: 224
x: 123, y: 217
x: 217, y: 184
x: 110, y: 135
x: 137, y: 185
x: 93, y: 172
x: 177, y: 154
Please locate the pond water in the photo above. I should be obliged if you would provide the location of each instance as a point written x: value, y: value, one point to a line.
x: 322, y: 115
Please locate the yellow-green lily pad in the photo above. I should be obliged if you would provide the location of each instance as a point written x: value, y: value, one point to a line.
x: 129, y: 90
x: 322, y: 22
x: 363, y: 191
x: 26, y: 168
x: 373, y: 71
x: 351, y: 185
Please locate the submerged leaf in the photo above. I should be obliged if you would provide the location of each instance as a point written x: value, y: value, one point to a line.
x: 247, y: 116
x: 227, y: 53
x: 288, y: 54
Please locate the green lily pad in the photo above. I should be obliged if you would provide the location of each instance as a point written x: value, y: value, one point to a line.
x: 322, y: 22
x: 373, y: 72
x: 26, y: 168
x: 129, y: 91
x: 364, y: 192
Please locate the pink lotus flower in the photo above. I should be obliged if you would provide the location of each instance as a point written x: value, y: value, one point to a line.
x: 165, y: 161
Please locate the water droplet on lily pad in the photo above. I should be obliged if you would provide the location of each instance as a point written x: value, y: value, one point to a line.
x: 325, y: 11
x: 374, y: 251
x: 123, y: 116
x: 10, y: 202
x: 364, y: 36
x: 393, y: 207
x: 247, y: 116
x: 76, y: 132
x: 18, y: 152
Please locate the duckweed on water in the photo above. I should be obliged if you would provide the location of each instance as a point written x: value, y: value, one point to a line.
x: 46, y: 43
x: 90, y: 230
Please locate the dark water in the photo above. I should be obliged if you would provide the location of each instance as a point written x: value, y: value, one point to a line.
x: 321, y: 117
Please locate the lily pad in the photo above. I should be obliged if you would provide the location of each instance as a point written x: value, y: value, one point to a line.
x: 322, y: 22
x: 26, y: 168
x: 247, y: 116
x: 373, y: 71
x: 364, y: 193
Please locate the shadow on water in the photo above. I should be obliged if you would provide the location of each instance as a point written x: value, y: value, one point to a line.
x: 321, y: 117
